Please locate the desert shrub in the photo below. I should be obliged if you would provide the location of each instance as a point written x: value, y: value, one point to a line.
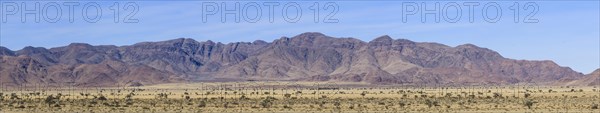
x: 287, y: 95
x: 448, y: 94
x: 128, y: 96
x: 49, y: 100
x: 102, y: 98
x: 337, y: 104
x: 106, y: 104
x: 162, y: 96
x: 323, y: 97
x: 423, y: 96
x: 527, y: 95
x: 14, y: 96
x: 287, y: 107
x: 202, y: 103
x: 128, y: 100
x: 322, y: 104
x: 402, y: 103
x: 529, y: 103
x: 431, y: 103
x: 243, y: 97
x: 594, y: 106
x: 226, y: 105
x: 267, y: 102
x: 93, y: 102
x: 363, y: 93
x: 497, y: 95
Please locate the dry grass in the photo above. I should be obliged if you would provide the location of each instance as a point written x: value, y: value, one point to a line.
x: 300, y: 97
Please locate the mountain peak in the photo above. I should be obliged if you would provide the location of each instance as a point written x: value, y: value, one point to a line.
x: 6, y: 51
x: 210, y: 42
x: 467, y: 45
x: 473, y: 47
x: 404, y: 42
x: 259, y: 42
x: 189, y: 40
x: 384, y: 38
x: 31, y: 50
x: 182, y: 40
x: 306, y: 39
x: 79, y: 45
x: 3, y: 48
x: 311, y: 34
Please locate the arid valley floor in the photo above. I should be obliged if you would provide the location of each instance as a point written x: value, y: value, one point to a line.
x: 318, y: 97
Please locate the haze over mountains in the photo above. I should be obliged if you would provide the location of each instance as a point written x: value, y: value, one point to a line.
x: 306, y: 57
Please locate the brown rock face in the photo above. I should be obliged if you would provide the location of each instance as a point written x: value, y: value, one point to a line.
x: 592, y: 79
x: 305, y: 57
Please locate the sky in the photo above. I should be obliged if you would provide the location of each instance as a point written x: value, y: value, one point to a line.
x: 566, y: 32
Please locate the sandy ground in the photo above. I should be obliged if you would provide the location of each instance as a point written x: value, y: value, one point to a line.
x: 289, y: 97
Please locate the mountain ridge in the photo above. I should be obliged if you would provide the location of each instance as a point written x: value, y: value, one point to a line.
x: 310, y: 56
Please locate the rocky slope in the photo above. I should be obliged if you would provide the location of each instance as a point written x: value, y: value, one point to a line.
x: 592, y: 79
x: 306, y: 57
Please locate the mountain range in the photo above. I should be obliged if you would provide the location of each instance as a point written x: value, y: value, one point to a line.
x: 310, y: 56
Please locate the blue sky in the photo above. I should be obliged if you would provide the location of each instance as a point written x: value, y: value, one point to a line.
x: 567, y: 32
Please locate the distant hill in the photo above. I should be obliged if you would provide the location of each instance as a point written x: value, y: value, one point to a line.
x: 592, y: 79
x: 306, y: 57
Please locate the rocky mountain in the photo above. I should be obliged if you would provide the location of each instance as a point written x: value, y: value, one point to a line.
x: 592, y: 79
x: 306, y: 57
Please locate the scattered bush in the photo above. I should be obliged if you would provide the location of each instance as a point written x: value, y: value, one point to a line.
x: 102, y: 98
x: 287, y: 95
x: 497, y: 95
x: 202, y: 103
x: 529, y: 103
x: 267, y: 102
x: 431, y: 103
x: 49, y: 100
x: 527, y: 95
x: 363, y: 93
